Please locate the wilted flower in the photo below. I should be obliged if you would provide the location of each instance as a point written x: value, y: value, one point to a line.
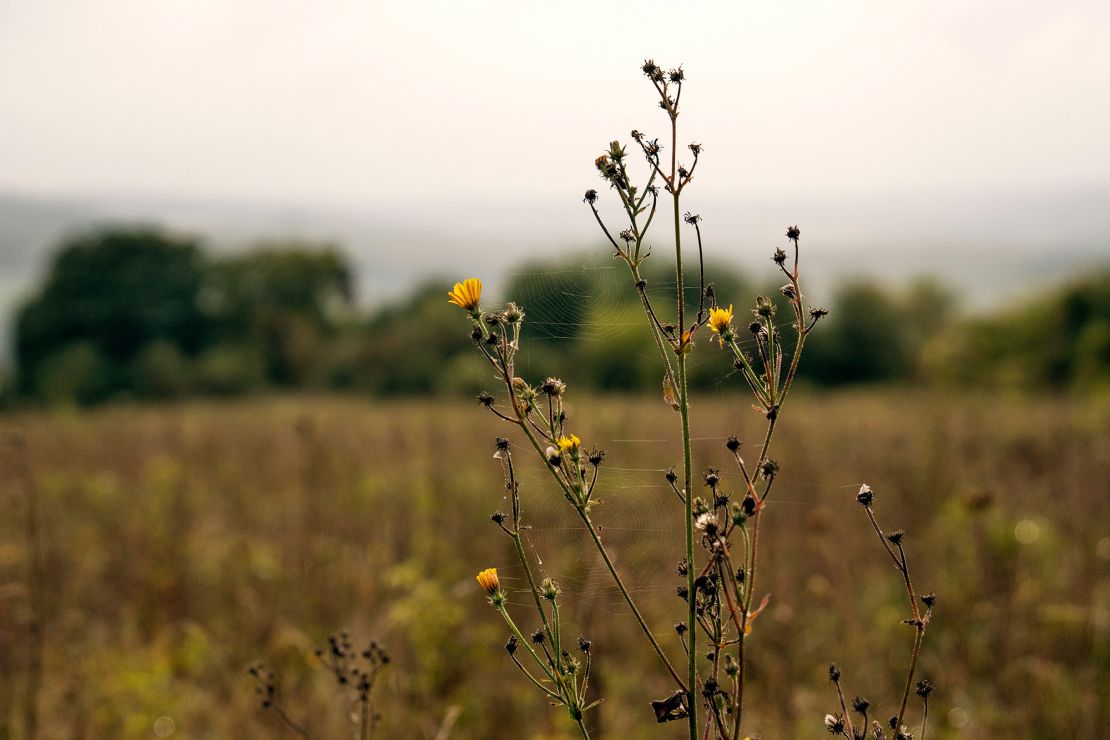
x: 466, y: 294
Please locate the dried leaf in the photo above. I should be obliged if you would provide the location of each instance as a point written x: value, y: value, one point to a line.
x: 669, y: 393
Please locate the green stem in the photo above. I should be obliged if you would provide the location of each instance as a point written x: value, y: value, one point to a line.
x: 628, y: 598
x: 526, y: 643
x: 687, y: 461
x: 608, y: 562
x: 551, y: 634
x: 684, y: 411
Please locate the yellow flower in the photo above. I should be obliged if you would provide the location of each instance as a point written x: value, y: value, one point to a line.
x: 466, y: 294
x: 487, y: 579
x: 720, y: 322
x: 569, y: 444
x: 720, y: 319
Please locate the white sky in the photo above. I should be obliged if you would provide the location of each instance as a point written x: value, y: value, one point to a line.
x: 367, y: 103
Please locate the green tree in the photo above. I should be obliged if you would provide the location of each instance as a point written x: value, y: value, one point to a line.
x: 109, y: 292
x: 281, y: 301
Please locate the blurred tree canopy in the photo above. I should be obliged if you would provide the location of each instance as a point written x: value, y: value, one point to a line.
x: 143, y: 312
x: 107, y: 296
x: 139, y: 312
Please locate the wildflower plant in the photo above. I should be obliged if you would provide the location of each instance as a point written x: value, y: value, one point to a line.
x: 356, y: 672
x: 720, y: 561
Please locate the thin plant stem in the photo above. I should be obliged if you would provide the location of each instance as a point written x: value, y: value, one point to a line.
x: 288, y: 721
x: 909, y: 675
x: 628, y: 599
x: 609, y: 564
x: 684, y: 412
x: 527, y: 643
x: 548, y: 692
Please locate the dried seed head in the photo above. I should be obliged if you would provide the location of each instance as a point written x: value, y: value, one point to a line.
x: 680, y: 628
x: 733, y: 444
x: 513, y: 313
x: 923, y: 688
x: 865, y: 496
x: 834, y: 723
x: 683, y: 593
x: 712, y: 477
x: 748, y: 505
x: 584, y: 643
x: 538, y: 637
x: 929, y: 599
x: 485, y: 399
x: 671, y: 476
x: 769, y: 467
x: 708, y: 524
x: 764, y: 307
x: 510, y: 646
x: 860, y: 704
x: 834, y: 672
x: 591, y: 196
x: 818, y: 312
x: 676, y: 75
x: 554, y: 387
x: 497, y: 517
x: 780, y: 256
x: 788, y: 291
x: 696, y: 149
x: 896, y: 536
x: 793, y: 232
x: 691, y: 218
x: 501, y: 443
x: 595, y: 457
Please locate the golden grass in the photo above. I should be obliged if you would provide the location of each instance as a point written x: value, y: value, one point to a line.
x: 183, y: 542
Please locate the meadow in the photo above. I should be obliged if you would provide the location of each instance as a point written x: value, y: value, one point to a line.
x: 180, y: 543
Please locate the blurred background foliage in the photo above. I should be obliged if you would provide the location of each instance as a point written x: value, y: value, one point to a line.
x: 138, y: 312
x: 181, y: 541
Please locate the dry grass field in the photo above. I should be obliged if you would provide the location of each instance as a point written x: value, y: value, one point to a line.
x: 180, y: 543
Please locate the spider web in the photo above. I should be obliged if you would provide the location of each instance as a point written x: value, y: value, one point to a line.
x: 593, y: 304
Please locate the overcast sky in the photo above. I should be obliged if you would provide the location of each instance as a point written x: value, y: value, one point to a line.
x: 372, y: 104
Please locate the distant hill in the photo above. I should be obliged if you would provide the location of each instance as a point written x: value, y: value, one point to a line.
x: 989, y: 248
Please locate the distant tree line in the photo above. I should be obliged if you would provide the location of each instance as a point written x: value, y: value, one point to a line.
x: 143, y: 313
